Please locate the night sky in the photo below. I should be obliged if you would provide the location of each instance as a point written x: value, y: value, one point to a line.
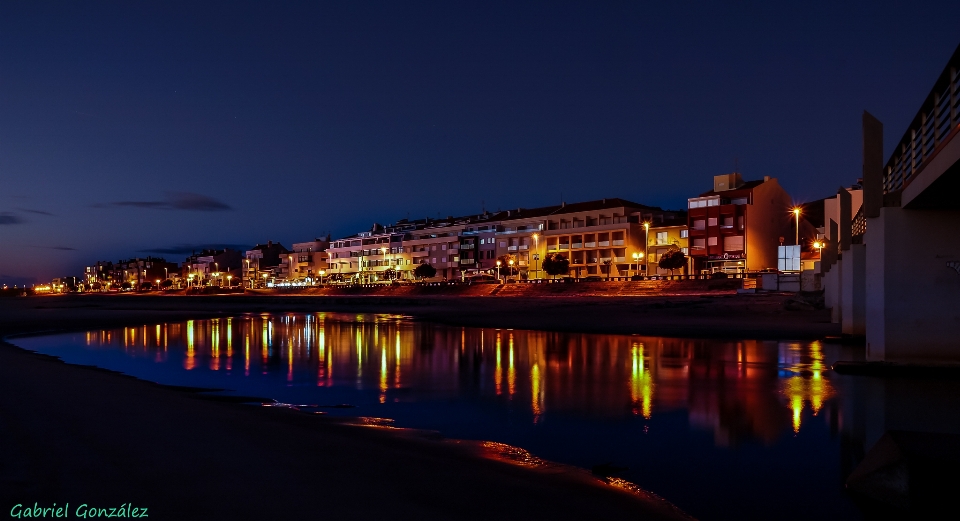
x: 137, y: 128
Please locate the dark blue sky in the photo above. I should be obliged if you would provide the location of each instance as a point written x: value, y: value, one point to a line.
x: 132, y: 127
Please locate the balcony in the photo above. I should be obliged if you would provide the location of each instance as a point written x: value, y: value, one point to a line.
x: 604, y: 243
x: 618, y: 242
x: 511, y: 248
x: 619, y: 259
x: 577, y: 245
x: 466, y: 261
x: 524, y: 246
x: 589, y: 245
x: 565, y: 246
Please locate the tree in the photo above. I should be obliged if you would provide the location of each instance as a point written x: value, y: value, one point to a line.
x: 425, y: 271
x: 166, y: 283
x: 674, y: 259
x: 556, y: 264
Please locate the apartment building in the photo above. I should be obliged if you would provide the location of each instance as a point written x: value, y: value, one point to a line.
x: 261, y: 264
x: 305, y: 262
x: 670, y: 233
x: 213, y: 267
x: 601, y: 237
x: 737, y: 226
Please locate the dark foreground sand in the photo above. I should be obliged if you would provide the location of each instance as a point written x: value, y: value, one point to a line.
x: 81, y: 435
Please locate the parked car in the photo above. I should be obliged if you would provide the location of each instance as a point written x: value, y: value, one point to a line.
x: 592, y: 278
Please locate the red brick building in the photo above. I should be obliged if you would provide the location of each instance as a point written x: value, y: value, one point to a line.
x: 737, y: 226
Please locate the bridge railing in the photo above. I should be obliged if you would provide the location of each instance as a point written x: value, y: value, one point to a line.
x: 937, y: 122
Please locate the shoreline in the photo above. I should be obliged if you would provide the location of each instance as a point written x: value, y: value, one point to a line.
x: 79, y: 434
x: 769, y: 316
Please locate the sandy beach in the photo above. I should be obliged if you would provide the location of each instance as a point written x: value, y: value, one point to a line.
x: 86, y: 436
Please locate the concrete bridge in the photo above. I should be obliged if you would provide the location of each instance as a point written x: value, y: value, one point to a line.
x: 894, y: 276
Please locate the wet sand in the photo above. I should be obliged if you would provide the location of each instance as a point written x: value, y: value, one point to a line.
x: 82, y: 435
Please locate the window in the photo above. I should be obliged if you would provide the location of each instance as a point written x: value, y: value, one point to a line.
x: 733, y: 243
x: 699, y: 224
x: 711, y: 241
x: 711, y: 221
x: 684, y: 234
x: 662, y: 237
x: 699, y: 243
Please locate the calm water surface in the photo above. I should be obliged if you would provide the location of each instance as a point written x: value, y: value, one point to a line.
x: 724, y: 429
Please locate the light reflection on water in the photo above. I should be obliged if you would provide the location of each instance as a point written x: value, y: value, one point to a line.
x: 714, y: 426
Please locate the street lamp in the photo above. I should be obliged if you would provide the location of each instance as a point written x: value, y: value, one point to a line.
x: 322, y: 273
x: 819, y: 246
x: 229, y: 278
x: 536, y: 255
x: 796, y: 216
x: 498, y: 271
x: 511, y: 269
x: 646, y: 242
x: 637, y: 256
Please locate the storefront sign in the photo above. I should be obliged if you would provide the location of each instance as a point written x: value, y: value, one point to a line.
x: 726, y: 256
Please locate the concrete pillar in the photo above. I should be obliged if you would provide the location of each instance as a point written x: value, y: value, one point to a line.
x: 853, y: 291
x: 912, y: 290
x: 872, y: 165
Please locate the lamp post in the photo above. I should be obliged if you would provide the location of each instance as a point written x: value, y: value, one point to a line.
x: 229, y: 283
x: 322, y: 273
x: 796, y: 216
x: 498, y: 271
x: 536, y: 255
x: 511, y: 269
x: 247, y: 274
x: 646, y: 242
x: 637, y: 256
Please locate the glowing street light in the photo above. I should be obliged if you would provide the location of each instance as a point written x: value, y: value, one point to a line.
x: 536, y: 255
x: 498, y: 271
x: 511, y: 268
x: 646, y: 242
x: 229, y: 278
x: 796, y: 216
x: 637, y: 257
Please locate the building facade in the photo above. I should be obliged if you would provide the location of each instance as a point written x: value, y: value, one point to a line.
x: 737, y: 226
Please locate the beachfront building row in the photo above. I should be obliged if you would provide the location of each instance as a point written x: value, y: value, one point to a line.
x: 608, y: 237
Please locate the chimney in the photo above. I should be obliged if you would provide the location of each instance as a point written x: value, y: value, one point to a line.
x: 766, y: 178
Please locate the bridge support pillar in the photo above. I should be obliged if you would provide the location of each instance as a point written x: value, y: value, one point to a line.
x: 853, y: 294
x: 912, y: 286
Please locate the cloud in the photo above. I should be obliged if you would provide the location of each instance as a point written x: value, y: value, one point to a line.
x: 187, y: 249
x: 38, y: 212
x: 61, y: 248
x: 9, y: 218
x: 174, y: 201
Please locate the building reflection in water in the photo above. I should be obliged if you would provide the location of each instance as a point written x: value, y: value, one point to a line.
x: 737, y: 390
